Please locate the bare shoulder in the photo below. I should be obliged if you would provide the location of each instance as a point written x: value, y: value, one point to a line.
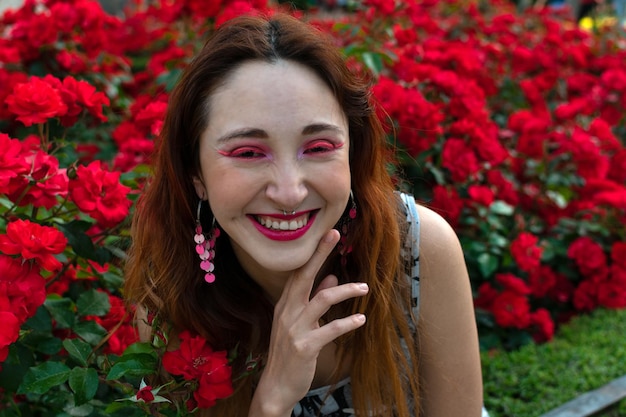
x: 448, y: 339
x: 438, y: 240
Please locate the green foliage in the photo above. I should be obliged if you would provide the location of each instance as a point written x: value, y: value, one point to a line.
x: 587, y: 353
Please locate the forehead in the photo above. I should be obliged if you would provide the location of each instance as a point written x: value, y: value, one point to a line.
x: 264, y: 93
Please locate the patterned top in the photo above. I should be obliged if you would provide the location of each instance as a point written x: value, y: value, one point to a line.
x: 318, y: 402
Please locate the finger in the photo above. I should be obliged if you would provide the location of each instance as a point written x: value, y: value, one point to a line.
x: 332, y: 330
x: 328, y: 282
x: 328, y: 297
x: 301, y: 283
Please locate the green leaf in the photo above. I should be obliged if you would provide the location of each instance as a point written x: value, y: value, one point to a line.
x: 84, y: 383
x: 42, y: 342
x: 373, y: 61
x: 82, y: 244
x: 93, y: 303
x: 501, y: 208
x: 140, y: 364
x: 139, y: 347
x: 41, y: 321
x: 90, y: 331
x: 78, y: 350
x: 62, y: 311
x: 40, y: 379
x: 487, y: 264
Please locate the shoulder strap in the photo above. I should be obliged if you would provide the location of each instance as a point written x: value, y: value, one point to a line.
x: 411, y: 250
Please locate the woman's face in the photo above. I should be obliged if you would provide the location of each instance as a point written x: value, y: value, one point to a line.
x: 277, y: 140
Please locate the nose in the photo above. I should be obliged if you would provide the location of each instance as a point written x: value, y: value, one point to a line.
x: 287, y: 188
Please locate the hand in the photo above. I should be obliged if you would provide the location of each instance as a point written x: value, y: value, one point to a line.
x: 297, y: 337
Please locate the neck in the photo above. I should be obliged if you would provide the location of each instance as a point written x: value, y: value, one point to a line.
x: 272, y: 282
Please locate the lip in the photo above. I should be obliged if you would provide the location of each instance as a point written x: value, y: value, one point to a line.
x: 284, y: 235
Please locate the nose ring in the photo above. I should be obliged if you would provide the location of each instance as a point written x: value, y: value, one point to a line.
x: 292, y: 212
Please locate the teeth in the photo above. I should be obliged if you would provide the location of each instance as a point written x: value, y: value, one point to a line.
x: 294, y: 224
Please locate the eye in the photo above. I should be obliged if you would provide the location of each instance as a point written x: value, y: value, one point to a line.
x: 245, y: 152
x: 320, y: 146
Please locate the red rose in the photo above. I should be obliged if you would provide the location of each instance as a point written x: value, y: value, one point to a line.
x: 448, y: 203
x: 122, y: 337
x: 512, y: 283
x: 543, y: 324
x: 34, y: 241
x: 43, y: 182
x: 9, y: 332
x: 22, y: 285
x: 511, y: 309
x: 618, y: 274
x: 542, y: 280
x: 485, y: 297
x: 216, y: 383
x: 617, y: 170
x: 525, y: 251
x: 459, y: 159
x: 481, y: 194
x: 588, y: 255
x: 12, y: 161
x: 505, y: 190
x: 99, y: 193
x: 195, y: 360
x: 611, y: 294
x: 585, y: 296
x: 35, y: 102
x: 145, y: 394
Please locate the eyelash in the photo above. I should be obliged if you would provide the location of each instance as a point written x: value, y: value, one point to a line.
x: 320, y: 146
x: 245, y: 152
x: 251, y: 152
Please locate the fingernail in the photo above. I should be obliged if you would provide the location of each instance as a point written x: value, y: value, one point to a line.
x: 363, y: 286
x: 360, y: 317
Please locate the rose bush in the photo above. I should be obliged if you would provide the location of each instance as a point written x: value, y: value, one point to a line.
x: 507, y: 124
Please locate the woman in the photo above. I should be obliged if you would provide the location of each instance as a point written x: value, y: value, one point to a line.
x: 271, y: 151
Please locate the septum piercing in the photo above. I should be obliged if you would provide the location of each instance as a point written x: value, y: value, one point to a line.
x: 285, y: 212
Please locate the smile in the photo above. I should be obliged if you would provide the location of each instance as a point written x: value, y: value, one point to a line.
x: 283, y: 229
x: 279, y: 224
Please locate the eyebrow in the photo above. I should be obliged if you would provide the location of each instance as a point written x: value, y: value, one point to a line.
x: 248, y: 132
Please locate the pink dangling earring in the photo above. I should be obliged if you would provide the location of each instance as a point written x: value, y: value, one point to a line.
x: 344, y: 229
x: 205, y: 248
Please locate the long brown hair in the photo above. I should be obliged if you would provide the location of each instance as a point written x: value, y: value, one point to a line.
x: 163, y: 274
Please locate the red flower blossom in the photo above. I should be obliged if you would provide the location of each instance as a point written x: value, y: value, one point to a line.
x: 481, y: 194
x: 510, y: 309
x: 9, y: 332
x: 542, y: 280
x: 544, y: 325
x: 588, y: 255
x: 99, y: 193
x: 195, y: 360
x: 35, y: 101
x: 12, y: 161
x: 611, y: 294
x: 585, y: 296
x: 448, y: 203
x: 505, y: 190
x: 513, y: 283
x: 34, y: 241
x: 486, y: 295
x: 618, y: 253
x: 22, y: 291
x: 145, y: 394
x: 459, y: 159
x: 43, y: 182
x: 525, y: 251
x: 617, y: 170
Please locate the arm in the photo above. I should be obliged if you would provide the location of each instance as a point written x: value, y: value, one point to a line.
x: 450, y: 372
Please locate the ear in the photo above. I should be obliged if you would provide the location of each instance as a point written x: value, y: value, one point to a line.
x: 200, y: 188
